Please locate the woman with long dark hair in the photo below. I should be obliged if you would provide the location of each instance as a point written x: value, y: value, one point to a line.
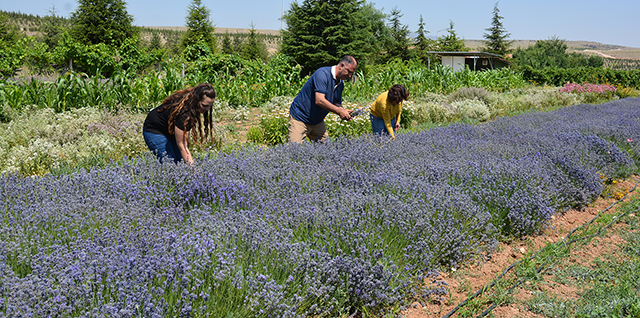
x: 167, y: 127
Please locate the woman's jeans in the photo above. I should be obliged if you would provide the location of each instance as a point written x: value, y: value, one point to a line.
x: 162, y: 146
x: 377, y: 125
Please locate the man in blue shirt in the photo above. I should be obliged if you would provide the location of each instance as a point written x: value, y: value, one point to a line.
x: 321, y: 94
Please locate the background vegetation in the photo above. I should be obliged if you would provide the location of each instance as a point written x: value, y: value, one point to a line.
x: 73, y: 102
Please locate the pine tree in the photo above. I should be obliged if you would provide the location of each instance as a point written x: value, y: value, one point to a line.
x: 253, y: 48
x: 451, y: 42
x: 199, y: 27
x: 422, y: 43
x: 227, y: 46
x: 320, y: 32
x: 52, y: 28
x: 102, y: 21
x: 399, y: 44
x: 156, y: 42
x: 496, y: 38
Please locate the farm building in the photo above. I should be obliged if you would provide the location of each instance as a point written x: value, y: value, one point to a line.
x: 476, y: 61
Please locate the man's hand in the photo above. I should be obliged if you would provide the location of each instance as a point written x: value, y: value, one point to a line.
x: 397, y: 126
x: 345, y: 114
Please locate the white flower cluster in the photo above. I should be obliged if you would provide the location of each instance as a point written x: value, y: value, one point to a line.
x: 40, y: 140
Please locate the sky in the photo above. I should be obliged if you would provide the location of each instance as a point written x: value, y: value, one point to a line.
x: 609, y: 22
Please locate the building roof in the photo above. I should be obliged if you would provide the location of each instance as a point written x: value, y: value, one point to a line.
x: 470, y: 54
x: 454, y: 53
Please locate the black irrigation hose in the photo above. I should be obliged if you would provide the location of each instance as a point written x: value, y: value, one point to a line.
x: 563, y: 243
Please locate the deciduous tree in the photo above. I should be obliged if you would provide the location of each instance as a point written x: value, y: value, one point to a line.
x: 552, y: 53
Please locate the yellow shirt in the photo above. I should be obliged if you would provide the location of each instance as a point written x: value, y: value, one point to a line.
x: 383, y: 108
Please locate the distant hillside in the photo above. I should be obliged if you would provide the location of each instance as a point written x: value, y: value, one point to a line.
x: 219, y: 30
x: 587, y: 47
x: 30, y: 24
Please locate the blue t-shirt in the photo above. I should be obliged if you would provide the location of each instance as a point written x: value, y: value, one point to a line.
x: 304, y: 107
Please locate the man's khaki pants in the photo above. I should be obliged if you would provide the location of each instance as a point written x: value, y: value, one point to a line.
x: 299, y: 130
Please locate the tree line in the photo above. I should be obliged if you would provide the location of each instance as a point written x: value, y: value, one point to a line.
x: 99, y: 35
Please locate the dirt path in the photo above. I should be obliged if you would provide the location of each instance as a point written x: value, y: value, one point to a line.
x: 600, y: 54
x: 473, y: 277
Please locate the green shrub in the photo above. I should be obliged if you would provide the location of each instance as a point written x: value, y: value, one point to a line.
x: 472, y: 109
x: 463, y: 93
x: 435, y: 112
x: 255, y: 135
x: 275, y: 129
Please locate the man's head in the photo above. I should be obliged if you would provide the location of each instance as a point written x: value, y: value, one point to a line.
x: 346, y: 67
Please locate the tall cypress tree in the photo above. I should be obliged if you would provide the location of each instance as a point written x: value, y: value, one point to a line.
x: 102, y: 21
x: 496, y: 36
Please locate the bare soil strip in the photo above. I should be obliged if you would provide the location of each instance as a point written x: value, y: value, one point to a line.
x: 472, y: 277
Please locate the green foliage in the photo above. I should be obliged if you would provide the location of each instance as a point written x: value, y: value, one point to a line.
x: 319, y: 33
x: 275, y: 129
x: 398, y: 46
x: 419, y: 79
x: 451, y: 42
x: 199, y: 27
x: 558, y: 76
x: 253, y: 48
x: 552, y: 53
x: 422, y: 43
x: 250, y: 83
x: 496, y: 36
x: 52, y: 28
x: 8, y: 32
x: 12, y: 57
x: 255, y: 135
x: 196, y: 51
x: 155, y: 43
x: 102, y: 21
x: 227, y: 46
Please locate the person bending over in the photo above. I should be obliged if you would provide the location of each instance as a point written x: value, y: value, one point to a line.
x: 166, y: 128
x: 321, y: 94
x: 386, y: 110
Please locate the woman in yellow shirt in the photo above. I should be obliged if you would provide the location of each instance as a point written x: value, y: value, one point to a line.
x: 386, y: 110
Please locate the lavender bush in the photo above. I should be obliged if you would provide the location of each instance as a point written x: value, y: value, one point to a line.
x: 330, y: 229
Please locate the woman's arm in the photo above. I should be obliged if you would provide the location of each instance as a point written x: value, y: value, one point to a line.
x: 398, y: 117
x: 182, y: 139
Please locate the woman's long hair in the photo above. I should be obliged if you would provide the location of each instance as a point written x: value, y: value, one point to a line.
x: 188, y: 101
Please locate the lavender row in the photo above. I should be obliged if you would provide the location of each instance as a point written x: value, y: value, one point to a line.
x: 299, y: 230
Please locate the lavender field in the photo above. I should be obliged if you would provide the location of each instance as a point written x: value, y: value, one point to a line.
x: 353, y: 225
